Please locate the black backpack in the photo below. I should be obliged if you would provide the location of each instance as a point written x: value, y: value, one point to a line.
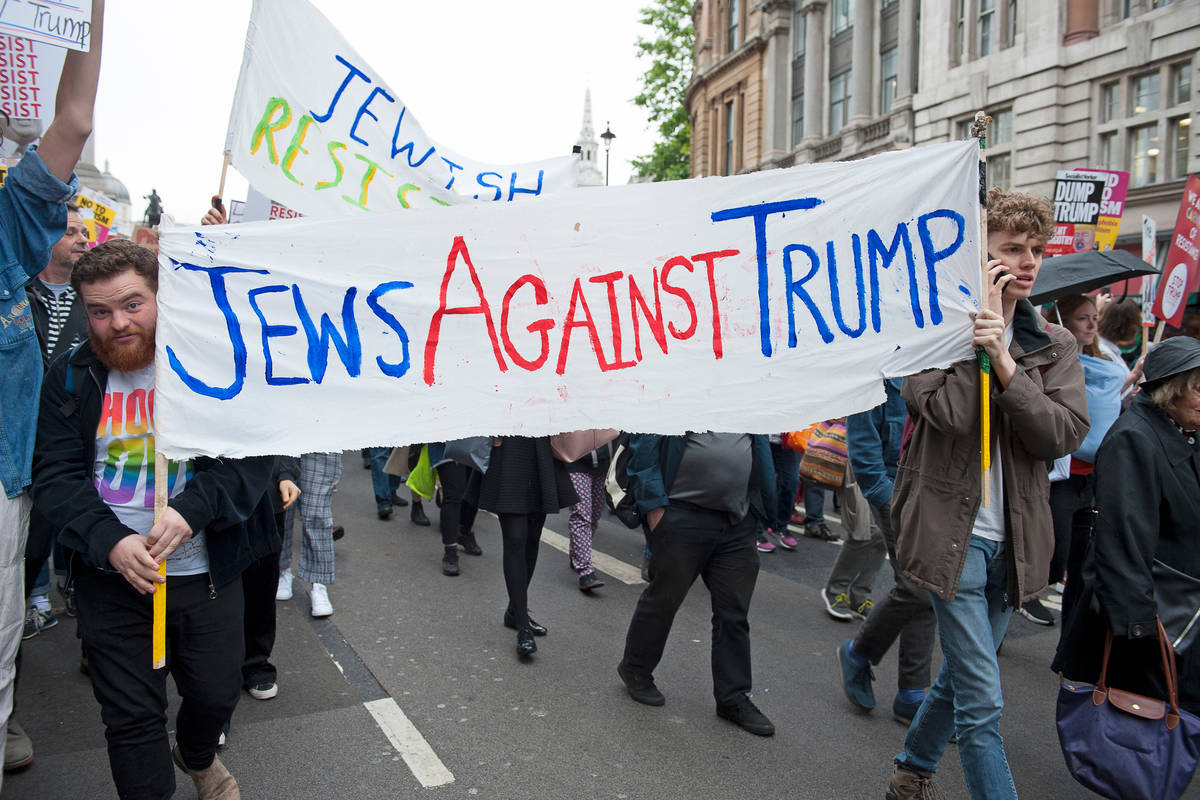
x: 617, y: 490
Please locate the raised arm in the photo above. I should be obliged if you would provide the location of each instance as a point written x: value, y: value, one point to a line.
x: 63, y: 141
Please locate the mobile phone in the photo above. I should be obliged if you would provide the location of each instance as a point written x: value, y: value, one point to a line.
x: 1000, y: 274
x: 217, y: 204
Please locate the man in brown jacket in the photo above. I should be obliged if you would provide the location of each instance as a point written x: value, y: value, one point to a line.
x: 980, y: 562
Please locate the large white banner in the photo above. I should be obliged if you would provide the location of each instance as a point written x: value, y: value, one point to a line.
x: 318, y: 130
x: 755, y: 303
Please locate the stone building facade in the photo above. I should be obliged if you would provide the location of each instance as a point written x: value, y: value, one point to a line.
x: 1075, y: 83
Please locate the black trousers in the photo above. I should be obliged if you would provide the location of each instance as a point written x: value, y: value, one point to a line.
x: 204, y: 655
x: 458, y: 507
x: 691, y: 542
x: 1069, y: 497
x: 905, y: 613
x: 521, y: 534
x: 259, y: 584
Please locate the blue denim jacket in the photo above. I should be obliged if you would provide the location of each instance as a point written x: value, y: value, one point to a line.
x: 33, y: 216
x: 873, y: 442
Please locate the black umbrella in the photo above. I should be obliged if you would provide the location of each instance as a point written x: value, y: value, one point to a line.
x: 1078, y: 273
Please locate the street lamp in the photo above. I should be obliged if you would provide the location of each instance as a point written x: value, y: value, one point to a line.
x: 607, y: 136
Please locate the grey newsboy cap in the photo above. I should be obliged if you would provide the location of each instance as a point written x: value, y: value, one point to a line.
x: 1170, y: 358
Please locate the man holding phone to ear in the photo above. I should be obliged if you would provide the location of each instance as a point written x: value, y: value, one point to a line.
x: 979, y: 563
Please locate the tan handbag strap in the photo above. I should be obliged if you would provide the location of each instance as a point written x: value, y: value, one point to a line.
x: 1170, y: 672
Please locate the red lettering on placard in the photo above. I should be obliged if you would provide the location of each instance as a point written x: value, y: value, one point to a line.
x: 435, y: 325
x: 709, y: 260
x: 540, y: 326
x: 682, y: 294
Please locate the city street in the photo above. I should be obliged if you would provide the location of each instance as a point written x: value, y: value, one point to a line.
x: 413, y: 688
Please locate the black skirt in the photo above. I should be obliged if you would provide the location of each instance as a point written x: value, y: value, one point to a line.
x: 524, y: 477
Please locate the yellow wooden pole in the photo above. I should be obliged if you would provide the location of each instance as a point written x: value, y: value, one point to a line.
x: 979, y: 131
x: 158, y: 634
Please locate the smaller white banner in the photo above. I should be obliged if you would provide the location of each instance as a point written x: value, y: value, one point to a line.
x: 314, y: 127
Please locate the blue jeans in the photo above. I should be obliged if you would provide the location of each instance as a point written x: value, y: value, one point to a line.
x: 965, y: 699
x: 814, y: 504
x: 383, y: 483
x: 787, y: 480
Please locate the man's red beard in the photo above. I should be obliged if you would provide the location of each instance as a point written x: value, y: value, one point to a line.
x: 126, y: 357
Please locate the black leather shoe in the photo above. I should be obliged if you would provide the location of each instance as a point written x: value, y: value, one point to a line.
x: 538, y: 630
x: 640, y: 688
x: 450, y: 562
x: 526, y: 646
x: 746, y: 715
x: 398, y: 501
x: 468, y: 544
x: 384, y: 510
x: 589, y: 581
x: 417, y: 515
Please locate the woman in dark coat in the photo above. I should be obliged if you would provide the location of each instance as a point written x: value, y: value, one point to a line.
x: 523, y: 483
x: 1148, y: 503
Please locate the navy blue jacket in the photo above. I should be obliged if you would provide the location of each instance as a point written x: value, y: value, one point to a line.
x: 873, y: 441
x: 654, y: 460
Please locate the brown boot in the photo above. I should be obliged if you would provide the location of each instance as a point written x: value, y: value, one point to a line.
x: 212, y: 783
x: 913, y: 785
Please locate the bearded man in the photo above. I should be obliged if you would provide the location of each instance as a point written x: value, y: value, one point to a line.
x: 93, y: 475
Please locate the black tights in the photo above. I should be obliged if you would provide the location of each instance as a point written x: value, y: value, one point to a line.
x: 458, y: 513
x: 521, y: 534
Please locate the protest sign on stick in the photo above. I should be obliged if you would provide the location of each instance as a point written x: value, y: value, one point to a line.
x: 62, y: 23
x: 316, y: 128
x: 1182, y: 271
x: 29, y: 79
x: 751, y: 303
x: 1087, y: 210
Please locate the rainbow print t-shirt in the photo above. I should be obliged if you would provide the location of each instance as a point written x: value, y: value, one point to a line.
x: 124, y: 468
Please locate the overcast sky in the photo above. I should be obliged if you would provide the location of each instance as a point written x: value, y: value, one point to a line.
x: 497, y: 81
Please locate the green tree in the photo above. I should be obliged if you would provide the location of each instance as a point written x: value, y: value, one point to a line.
x: 663, y: 85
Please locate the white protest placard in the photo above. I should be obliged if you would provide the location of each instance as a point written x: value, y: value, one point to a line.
x: 29, y: 79
x: 62, y: 23
x: 314, y: 127
x: 754, y: 303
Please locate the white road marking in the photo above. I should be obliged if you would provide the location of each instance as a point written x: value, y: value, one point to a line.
x: 607, y: 564
x: 425, y: 765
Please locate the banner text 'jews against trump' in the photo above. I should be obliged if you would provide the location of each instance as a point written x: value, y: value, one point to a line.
x: 752, y: 303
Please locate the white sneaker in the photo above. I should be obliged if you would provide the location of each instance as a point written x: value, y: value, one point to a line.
x: 284, y: 592
x: 321, y: 607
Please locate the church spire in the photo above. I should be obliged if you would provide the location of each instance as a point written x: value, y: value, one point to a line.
x: 589, y: 148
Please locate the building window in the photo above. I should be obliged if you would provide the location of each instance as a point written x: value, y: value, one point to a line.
x: 731, y: 42
x: 960, y: 28
x: 1181, y: 84
x: 987, y: 26
x: 1143, y: 95
x: 999, y: 168
x: 1001, y: 128
x: 1144, y: 151
x: 1010, y: 35
x: 1110, y: 102
x: 839, y: 102
x: 1180, y: 129
x: 887, y: 79
x: 841, y: 10
x: 1109, y: 157
x: 799, y: 32
x: 797, y: 119
x: 729, y: 131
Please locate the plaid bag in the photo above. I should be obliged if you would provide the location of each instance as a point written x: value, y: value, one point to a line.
x: 825, y: 458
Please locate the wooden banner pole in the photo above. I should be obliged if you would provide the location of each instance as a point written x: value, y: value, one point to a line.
x: 158, y: 636
x: 979, y: 131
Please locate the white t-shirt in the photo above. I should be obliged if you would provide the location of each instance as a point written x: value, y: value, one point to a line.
x: 989, y: 522
x: 124, y: 469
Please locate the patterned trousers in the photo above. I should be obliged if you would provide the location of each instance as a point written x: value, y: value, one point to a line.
x: 319, y: 473
x: 585, y: 516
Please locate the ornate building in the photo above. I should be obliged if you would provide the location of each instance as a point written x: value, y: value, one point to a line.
x: 782, y: 82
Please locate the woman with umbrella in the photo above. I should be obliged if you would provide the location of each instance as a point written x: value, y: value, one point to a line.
x: 1145, y: 558
x: 1072, y: 495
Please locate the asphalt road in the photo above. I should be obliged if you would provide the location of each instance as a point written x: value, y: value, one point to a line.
x: 413, y: 688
